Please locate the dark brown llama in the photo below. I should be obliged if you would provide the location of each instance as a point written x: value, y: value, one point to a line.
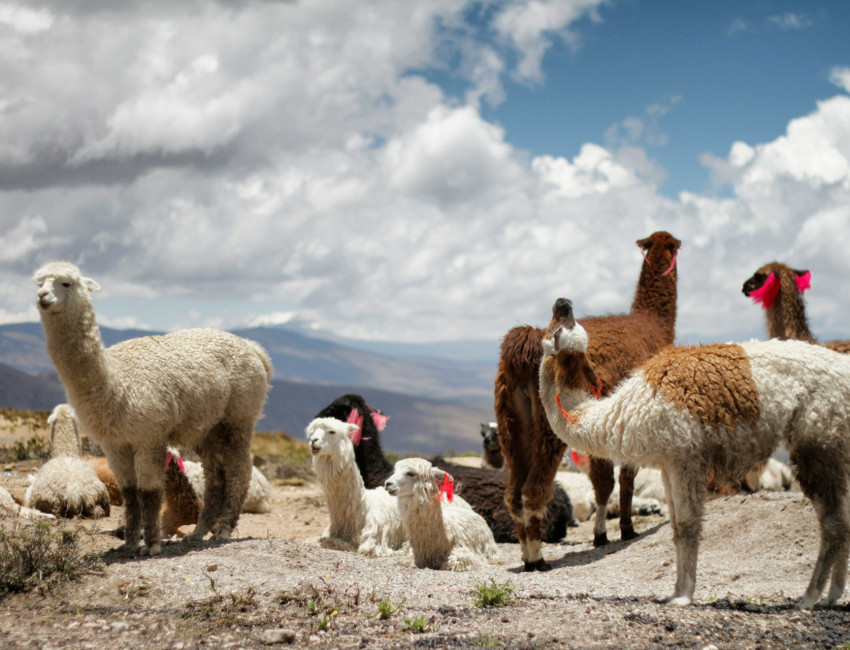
x: 780, y: 289
x: 618, y: 343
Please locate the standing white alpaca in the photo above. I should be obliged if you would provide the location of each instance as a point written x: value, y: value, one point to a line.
x: 444, y: 531
x: 200, y: 389
x: 66, y: 485
x: 362, y: 521
x: 722, y: 407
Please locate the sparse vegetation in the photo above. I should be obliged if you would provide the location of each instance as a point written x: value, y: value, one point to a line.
x: 416, y: 623
x: 485, y: 641
x: 386, y: 608
x: 493, y: 595
x: 34, y: 448
x: 280, y: 448
x: 232, y: 610
x: 39, y: 555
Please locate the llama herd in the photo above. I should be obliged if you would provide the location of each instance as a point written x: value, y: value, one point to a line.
x: 613, y: 386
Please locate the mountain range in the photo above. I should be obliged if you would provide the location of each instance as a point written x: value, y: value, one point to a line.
x: 435, y: 403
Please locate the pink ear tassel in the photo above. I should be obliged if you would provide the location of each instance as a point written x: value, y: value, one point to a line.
x: 767, y: 292
x: 379, y: 419
x: 672, y: 263
x: 804, y: 281
x: 355, y: 418
x: 447, y: 489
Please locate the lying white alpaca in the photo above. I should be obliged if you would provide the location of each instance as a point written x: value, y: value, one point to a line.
x: 66, y: 485
x: 10, y: 508
x: 444, y: 531
x: 362, y: 521
x: 647, y: 499
x: 199, y: 389
x: 723, y: 408
x: 258, y: 497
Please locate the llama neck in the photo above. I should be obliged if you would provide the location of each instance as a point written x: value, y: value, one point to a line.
x: 656, y: 295
x: 79, y: 356
x: 786, y: 317
x: 423, y: 519
x: 344, y: 492
x: 586, y: 432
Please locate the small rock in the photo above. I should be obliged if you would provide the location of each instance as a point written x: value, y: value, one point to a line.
x: 278, y: 635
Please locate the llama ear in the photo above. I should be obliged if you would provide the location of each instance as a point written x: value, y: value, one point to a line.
x: 804, y: 280
x: 90, y: 284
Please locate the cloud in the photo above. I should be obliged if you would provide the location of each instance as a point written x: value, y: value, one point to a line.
x: 840, y: 76
x: 790, y: 21
x: 738, y: 26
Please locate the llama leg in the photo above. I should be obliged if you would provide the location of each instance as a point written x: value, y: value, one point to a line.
x: 534, y: 537
x: 627, y: 490
x: 150, y: 471
x: 213, y: 498
x: 132, y: 519
x: 602, y: 479
x: 688, y: 495
x: 513, y: 500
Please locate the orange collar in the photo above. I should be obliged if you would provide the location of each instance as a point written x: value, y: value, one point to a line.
x: 569, y: 417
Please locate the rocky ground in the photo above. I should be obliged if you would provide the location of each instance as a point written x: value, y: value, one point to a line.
x: 274, y: 586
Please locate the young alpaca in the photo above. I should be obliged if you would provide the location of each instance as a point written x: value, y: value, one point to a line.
x: 721, y: 407
x: 482, y: 488
x: 199, y: 389
x: 491, y: 447
x: 66, y: 485
x: 780, y: 289
x: 444, y: 534
x: 362, y: 521
x: 617, y: 344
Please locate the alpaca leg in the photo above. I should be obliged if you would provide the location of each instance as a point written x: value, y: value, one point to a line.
x: 151, y: 502
x: 602, y: 479
x: 213, y: 498
x: 534, y: 537
x: 687, y: 498
x: 513, y: 500
x: 237, y: 478
x: 132, y: 519
x: 627, y: 491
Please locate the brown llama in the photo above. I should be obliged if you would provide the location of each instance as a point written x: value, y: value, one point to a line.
x: 780, y: 289
x: 618, y: 343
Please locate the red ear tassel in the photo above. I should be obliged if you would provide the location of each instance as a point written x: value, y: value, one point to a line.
x: 355, y: 418
x: 447, y: 489
x: 596, y: 391
x: 767, y: 292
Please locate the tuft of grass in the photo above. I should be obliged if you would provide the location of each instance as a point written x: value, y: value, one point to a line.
x: 386, y: 608
x: 232, y: 610
x: 493, y: 595
x: 279, y: 447
x: 41, y: 554
x: 485, y: 641
x: 416, y: 623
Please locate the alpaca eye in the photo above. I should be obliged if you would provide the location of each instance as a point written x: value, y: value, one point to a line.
x: 411, y: 473
x: 66, y: 284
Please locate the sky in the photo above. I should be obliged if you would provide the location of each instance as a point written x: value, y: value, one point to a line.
x: 426, y: 170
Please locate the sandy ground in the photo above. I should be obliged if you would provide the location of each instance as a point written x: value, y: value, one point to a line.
x: 273, y: 585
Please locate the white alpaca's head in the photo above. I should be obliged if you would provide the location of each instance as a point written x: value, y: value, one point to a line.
x: 416, y: 477
x: 565, y: 334
x: 61, y: 287
x: 64, y: 432
x: 331, y: 437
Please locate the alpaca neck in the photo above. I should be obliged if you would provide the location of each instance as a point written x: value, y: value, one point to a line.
x: 344, y: 492
x: 786, y: 317
x: 65, y: 442
x: 77, y: 351
x: 580, y: 423
x: 656, y: 295
x: 423, y: 519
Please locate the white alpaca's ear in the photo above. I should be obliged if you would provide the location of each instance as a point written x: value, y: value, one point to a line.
x: 90, y: 284
x: 350, y: 428
x: 438, y: 475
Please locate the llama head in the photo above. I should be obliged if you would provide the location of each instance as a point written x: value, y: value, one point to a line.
x: 62, y: 288
x: 660, y: 250
x: 417, y: 477
x: 566, y: 340
x: 764, y: 285
x: 331, y: 437
x: 490, y: 437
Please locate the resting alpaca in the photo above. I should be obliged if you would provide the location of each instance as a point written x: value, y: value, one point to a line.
x: 483, y: 489
x: 364, y: 521
x: 199, y: 389
x: 618, y: 343
x: 722, y: 407
x: 780, y: 289
x: 444, y: 532
x: 66, y: 485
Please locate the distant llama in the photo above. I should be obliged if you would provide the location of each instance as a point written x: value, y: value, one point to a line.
x: 618, y: 343
x: 722, y: 408
x: 780, y: 290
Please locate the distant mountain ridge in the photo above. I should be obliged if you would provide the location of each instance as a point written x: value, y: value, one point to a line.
x: 433, y: 404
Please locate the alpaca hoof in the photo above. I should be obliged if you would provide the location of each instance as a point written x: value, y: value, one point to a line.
x: 539, y: 565
x: 679, y: 601
x: 600, y: 540
x: 150, y: 551
x: 806, y: 602
x: 628, y: 533
x: 128, y: 549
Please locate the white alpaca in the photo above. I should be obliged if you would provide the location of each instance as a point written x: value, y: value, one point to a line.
x: 443, y: 534
x: 723, y: 408
x: 66, y: 485
x: 258, y: 498
x: 362, y: 521
x: 199, y: 389
x: 10, y: 508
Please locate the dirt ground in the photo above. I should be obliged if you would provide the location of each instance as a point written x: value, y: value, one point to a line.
x: 272, y: 585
